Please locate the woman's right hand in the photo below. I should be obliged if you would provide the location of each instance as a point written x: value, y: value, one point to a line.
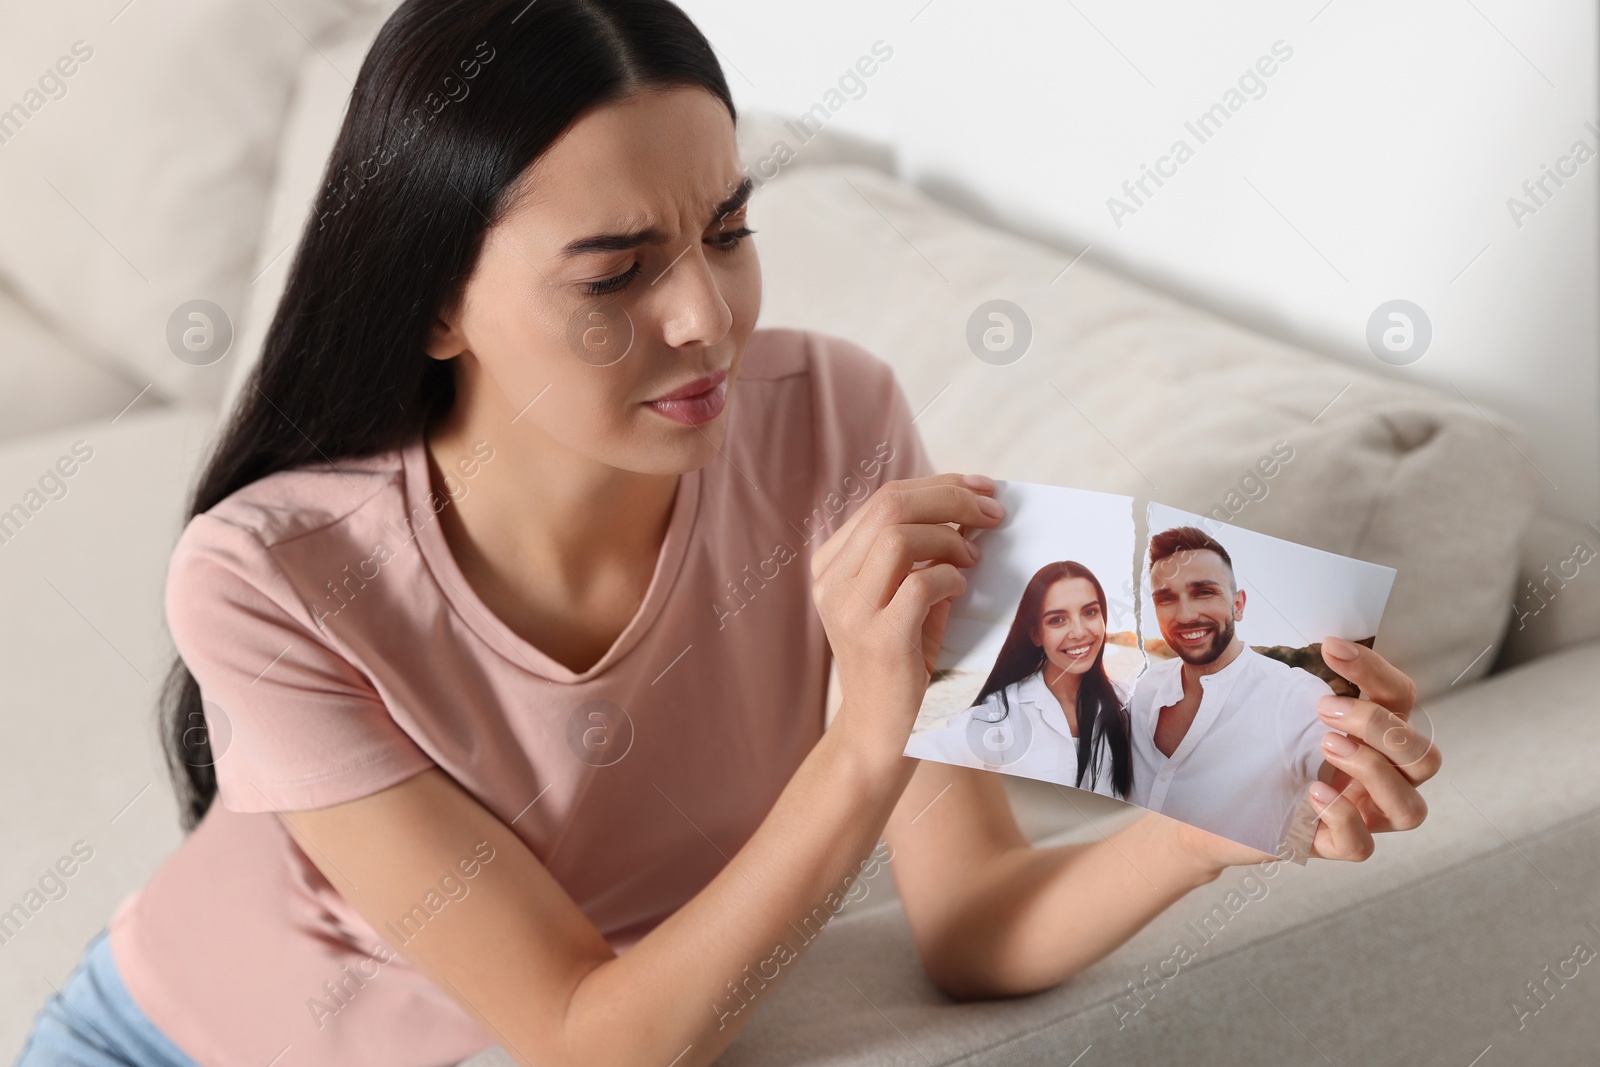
x: 883, y: 609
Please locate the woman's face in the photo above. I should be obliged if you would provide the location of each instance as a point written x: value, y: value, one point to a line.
x: 620, y: 276
x: 1071, y: 626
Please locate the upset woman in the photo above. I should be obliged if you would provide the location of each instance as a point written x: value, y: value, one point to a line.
x: 473, y: 745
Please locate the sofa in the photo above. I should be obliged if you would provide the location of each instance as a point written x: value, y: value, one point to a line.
x: 178, y: 164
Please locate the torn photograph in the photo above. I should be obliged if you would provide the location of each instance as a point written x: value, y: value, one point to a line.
x: 1201, y: 704
x: 1226, y: 734
x: 1038, y: 661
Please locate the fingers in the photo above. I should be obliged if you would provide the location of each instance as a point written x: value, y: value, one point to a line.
x: 897, y: 548
x: 941, y: 499
x: 1377, y: 678
x: 1398, y: 804
x: 1388, y: 734
x: 1342, y: 833
x: 829, y: 549
x: 1381, y: 754
x: 919, y: 591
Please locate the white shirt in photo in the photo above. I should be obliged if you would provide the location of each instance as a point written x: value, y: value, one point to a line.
x: 1253, y: 749
x: 1036, y: 726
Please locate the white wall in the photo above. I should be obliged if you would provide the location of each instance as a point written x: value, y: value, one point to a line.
x: 1375, y: 164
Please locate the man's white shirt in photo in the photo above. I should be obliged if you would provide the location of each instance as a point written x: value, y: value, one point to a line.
x: 1250, y: 754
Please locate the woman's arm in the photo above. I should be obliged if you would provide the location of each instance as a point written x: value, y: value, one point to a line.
x: 994, y: 916
x: 518, y: 954
x: 523, y: 959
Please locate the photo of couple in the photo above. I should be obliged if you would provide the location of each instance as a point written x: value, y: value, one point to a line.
x: 1214, y: 722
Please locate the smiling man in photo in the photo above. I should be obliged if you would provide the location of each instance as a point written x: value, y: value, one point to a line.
x: 1224, y: 738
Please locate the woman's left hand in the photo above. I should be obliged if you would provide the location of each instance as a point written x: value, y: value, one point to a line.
x: 1373, y: 788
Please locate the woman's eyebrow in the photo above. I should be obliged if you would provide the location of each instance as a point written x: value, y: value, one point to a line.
x: 622, y: 242
x: 736, y: 201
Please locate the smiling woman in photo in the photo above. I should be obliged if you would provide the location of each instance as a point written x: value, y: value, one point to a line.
x: 1048, y: 709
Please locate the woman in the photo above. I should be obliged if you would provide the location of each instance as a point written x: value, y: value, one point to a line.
x: 507, y: 602
x: 1048, y: 710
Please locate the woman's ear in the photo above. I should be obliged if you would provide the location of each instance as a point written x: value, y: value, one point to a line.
x: 444, y: 340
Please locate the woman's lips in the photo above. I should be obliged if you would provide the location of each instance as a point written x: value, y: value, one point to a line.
x: 1078, y: 651
x: 692, y: 409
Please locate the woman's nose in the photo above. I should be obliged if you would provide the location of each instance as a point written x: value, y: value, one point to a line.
x: 694, y: 309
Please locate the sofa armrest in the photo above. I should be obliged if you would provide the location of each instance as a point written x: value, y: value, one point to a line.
x: 1557, y: 600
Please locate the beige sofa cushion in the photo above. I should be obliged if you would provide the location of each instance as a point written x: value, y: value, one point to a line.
x: 1556, y: 603
x: 141, y: 177
x: 1126, y: 391
x: 46, y: 382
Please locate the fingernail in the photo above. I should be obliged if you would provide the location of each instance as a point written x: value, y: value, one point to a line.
x: 978, y: 481
x: 991, y: 507
x: 1339, y: 648
x: 1323, y: 793
x: 1332, y: 707
x: 972, y: 546
x: 1339, y: 745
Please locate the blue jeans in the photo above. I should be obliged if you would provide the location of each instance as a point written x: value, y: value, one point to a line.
x: 93, y: 1022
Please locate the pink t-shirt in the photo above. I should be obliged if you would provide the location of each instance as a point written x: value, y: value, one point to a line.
x: 321, y: 611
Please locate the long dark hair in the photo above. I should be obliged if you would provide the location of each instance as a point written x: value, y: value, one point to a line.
x: 1102, y: 720
x: 455, y: 101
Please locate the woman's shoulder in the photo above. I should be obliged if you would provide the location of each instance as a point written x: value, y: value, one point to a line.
x: 775, y: 352
x: 853, y: 393
x: 808, y: 396
x: 316, y: 519
x: 1002, y: 700
x: 293, y: 503
x: 824, y: 421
